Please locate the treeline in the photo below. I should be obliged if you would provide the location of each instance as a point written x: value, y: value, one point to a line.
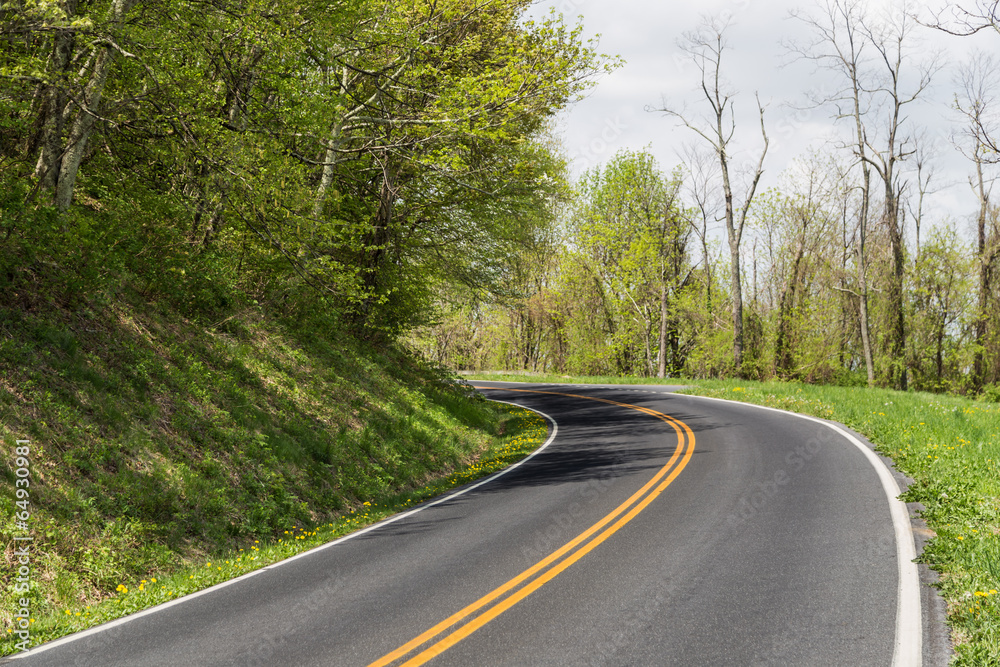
x: 837, y: 275
x: 342, y: 157
x: 632, y: 286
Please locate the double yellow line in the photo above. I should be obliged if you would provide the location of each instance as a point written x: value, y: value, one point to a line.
x: 461, y: 624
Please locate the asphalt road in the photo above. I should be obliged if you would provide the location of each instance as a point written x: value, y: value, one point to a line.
x: 685, y: 532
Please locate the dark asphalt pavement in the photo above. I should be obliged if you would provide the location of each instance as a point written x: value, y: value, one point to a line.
x: 772, y: 544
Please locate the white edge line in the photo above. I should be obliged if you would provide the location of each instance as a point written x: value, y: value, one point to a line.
x: 211, y: 589
x: 908, y: 651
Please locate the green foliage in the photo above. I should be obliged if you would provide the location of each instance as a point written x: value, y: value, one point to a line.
x: 104, y: 581
x: 594, y: 305
x: 941, y: 301
x: 214, y: 221
x: 991, y: 393
x: 256, y: 145
x: 156, y: 441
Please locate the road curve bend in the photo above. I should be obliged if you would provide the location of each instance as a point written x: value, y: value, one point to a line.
x: 652, y: 529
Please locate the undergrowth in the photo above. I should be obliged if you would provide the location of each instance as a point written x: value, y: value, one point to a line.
x: 158, y: 444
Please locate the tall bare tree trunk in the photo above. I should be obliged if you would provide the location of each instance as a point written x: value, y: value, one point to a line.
x: 866, y: 343
x: 985, y: 255
x: 706, y: 48
x: 975, y: 102
x: 897, y: 324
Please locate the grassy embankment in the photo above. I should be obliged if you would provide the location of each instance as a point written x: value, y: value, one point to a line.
x: 167, y: 456
x: 949, y: 445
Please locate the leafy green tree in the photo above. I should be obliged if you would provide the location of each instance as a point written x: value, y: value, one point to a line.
x: 631, y: 237
x: 361, y: 151
x: 942, y: 302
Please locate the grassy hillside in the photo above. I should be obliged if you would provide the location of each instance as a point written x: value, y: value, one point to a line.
x: 158, y: 443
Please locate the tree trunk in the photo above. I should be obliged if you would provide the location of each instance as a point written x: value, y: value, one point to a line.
x: 51, y: 112
x: 737, y: 309
x: 326, y: 180
x: 866, y: 343
x: 783, y: 356
x: 736, y: 285
x: 985, y: 280
x: 897, y: 324
x: 661, y: 370
x: 84, y: 123
x: 862, y: 235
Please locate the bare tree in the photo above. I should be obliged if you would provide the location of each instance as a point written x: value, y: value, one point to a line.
x: 923, y: 159
x: 702, y: 170
x: 838, y: 47
x: 706, y: 47
x: 955, y: 19
x: 976, y: 101
x: 873, y: 55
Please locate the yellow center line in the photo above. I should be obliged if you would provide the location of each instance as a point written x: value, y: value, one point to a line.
x: 684, y: 445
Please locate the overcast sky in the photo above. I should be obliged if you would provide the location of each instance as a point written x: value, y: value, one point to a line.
x: 646, y: 32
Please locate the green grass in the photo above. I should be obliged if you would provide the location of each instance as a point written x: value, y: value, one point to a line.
x: 570, y: 379
x: 949, y: 445
x: 159, y: 444
x: 524, y: 432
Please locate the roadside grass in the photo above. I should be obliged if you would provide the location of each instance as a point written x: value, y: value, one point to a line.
x: 949, y: 446
x: 158, y: 443
x: 524, y: 431
x: 569, y: 379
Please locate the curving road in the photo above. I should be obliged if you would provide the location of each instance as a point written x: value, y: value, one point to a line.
x: 653, y: 529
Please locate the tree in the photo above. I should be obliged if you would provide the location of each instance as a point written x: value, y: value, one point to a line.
x: 975, y: 103
x: 68, y: 53
x: 706, y: 48
x: 941, y: 296
x: 702, y: 169
x: 437, y: 143
x: 983, y: 15
x: 631, y: 237
x: 876, y: 91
